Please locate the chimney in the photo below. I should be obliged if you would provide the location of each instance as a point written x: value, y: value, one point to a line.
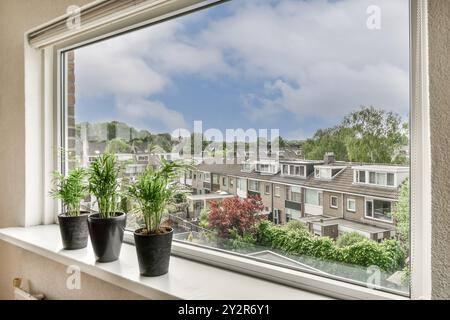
x: 329, y: 158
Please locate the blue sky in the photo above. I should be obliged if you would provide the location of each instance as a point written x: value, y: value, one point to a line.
x: 292, y: 65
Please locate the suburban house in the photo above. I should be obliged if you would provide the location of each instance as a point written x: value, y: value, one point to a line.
x: 331, y: 197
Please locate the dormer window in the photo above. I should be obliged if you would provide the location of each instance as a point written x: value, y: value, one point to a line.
x: 294, y: 170
x: 327, y: 172
x: 383, y: 176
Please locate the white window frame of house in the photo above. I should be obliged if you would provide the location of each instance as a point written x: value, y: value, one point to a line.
x: 277, y: 191
x: 257, y: 185
x: 367, y: 179
x: 43, y: 121
x: 267, y: 186
x: 371, y: 200
x: 349, y: 200
x: 331, y: 202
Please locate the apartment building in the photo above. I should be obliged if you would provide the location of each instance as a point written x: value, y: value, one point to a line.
x: 329, y: 196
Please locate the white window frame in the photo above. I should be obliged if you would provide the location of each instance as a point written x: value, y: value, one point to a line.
x: 277, y: 191
x: 348, y: 204
x: 265, y: 188
x: 43, y: 114
x: 257, y: 184
x: 331, y: 202
x: 373, y: 210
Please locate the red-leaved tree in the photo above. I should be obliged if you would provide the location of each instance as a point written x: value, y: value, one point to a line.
x: 236, y: 214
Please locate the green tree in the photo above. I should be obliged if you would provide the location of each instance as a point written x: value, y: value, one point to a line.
x: 326, y: 140
x: 367, y: 135
x: 401, y: 215
x: 117, y: 146
x: 375, y: 136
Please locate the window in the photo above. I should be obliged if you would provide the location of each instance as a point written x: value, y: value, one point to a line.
x: 157, y: 89
x: 292, y: 214
x: 293, y: 194
x: 313, y: 197
x: 379, y: 210
x: 253, y: 185
x: 277, y: 191
x: 390, y: 179
x: 323, y: 173
x: 276, y: 216
x: 224, y: 181
x: 334, y: 202
x: 242, y: 184
x: 362, y: 176
x: 231, y: 182
x: 383, y: 179
x: 351, y: 205
x: 372, y: 176
x: 317, y: 173
x: 267, y: 188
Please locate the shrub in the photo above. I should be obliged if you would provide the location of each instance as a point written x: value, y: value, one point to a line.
x: 348, y: 239
x: 295, y: 225
x: 388, y: 255
x: 240, y: 215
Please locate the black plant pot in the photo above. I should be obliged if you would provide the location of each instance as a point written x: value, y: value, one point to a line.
x: 74, y: 231
x: 107, y: 235
x: 153, y: 252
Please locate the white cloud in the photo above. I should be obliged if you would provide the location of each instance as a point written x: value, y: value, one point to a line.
x: 138, y: 111
x: 320, y: 56
x: 317, y: 58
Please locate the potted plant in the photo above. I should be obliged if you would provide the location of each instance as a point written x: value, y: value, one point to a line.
x: 106, y: 227
x: 72, y: 221
x: 153, y: 190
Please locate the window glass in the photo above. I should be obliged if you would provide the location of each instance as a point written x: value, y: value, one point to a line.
x: 334, y: 201
x: 390, y: 179
x: 144, y: 96
x: 351, y: 205
x: 312, y: 197
x: 372, y: 176
x: 381, y: 179
x: 277, y: 191
x: 362, y: 176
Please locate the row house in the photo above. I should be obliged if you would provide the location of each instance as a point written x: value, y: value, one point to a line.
x: 329, y: 196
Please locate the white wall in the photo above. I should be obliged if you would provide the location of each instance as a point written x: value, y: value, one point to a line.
x: 16, y: 17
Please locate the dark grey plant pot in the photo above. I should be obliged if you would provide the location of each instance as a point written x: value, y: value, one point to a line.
x: 153, y: 252
x: 74, y: 231
x: 107, y: 235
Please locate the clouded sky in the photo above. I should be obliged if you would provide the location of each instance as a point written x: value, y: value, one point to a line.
x: 292, y: 65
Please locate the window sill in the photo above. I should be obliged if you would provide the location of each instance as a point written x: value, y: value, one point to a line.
x: 186, y: 279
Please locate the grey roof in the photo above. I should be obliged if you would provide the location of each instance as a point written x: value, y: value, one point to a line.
x: 365, y: 227
x: 342, y: 183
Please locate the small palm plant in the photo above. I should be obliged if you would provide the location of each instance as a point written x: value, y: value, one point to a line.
x: 153, y: 191
x: 71, y: 190
x: 104, y: 184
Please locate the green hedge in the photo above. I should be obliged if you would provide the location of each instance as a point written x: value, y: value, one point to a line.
x: 387, y: 255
